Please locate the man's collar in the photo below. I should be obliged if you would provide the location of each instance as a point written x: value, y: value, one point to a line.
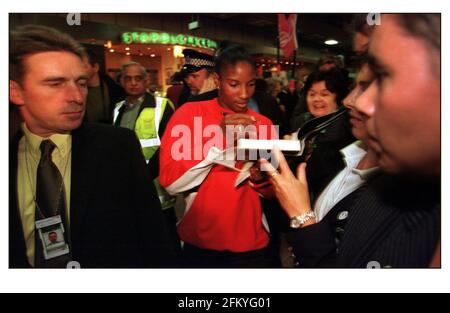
x: 138, y: 102
x: 62, y: 141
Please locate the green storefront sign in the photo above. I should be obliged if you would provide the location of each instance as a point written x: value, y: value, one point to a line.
x: 167, y: 39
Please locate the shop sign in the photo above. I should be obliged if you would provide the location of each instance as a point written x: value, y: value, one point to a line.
x: 167, y: 38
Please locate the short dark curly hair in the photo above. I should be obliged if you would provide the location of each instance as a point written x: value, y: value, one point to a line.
x: 336, y: 81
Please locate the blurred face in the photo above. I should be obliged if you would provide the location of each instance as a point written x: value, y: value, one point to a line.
x: 360, y: 43
x: 52, y: 94
x: 195, y: 80
x: 53, y: 237
x: 363, y: 80
x: 91, y: 70
x: 276, y: 89
x: 320, y: 100
x: 133, y: 81
x: 236, y: 86
x: 402, y: 106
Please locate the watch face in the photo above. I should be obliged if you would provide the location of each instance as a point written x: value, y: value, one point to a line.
x: 295, y: 223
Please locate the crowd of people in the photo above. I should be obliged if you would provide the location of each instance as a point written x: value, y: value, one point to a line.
x: 103, y: 164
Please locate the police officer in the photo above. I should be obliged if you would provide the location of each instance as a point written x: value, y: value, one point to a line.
x: 199, y: 76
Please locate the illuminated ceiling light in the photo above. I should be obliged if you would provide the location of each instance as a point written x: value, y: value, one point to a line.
x: 152, y: 55
x: 287, y: 63
x: 127, y: 49
x: 128, y: 53
x: 331, y: 42
x: 168, y: 49
x: 178, y: 51
x: 111, y: 50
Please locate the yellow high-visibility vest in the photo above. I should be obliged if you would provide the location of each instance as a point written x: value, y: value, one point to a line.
x: 147, y: 128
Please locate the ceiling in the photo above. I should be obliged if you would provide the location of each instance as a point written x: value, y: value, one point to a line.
x: 312, y: 28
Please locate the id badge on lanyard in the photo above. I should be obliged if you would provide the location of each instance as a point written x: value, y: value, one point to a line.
x: 51, y: 233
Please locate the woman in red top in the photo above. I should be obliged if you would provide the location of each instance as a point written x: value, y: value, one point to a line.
x: 224, y: 224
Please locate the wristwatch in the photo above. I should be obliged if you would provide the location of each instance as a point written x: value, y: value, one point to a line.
x: 298, y: 221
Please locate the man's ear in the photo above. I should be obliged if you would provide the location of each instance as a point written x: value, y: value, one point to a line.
x: 96, y: 67
x: 15, y: 93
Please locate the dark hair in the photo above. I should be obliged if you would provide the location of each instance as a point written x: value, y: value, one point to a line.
x: 336, y: 81
x: 90, y: 55
x: 329, y: 59
x: 32, y: 39
x: 359, y: 25
x: 427, y: 27
x: 361, y: 60
x: 231, y: 55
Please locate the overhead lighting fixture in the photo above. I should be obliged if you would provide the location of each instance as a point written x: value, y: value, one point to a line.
x: 128, y: 53
x: 331, y: 42
x: 111, y: 50
x: 127, y: 48
x: 152, y: 55
x: 178, y: 51
x: 194, y: 25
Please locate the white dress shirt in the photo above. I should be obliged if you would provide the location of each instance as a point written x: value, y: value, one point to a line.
x: 344, y: 183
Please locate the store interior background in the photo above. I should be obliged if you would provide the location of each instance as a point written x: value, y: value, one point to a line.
x: 257, y: 32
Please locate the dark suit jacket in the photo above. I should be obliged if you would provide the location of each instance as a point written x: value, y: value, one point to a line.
x: 390, y: 221
x: 115, y: 214
x: 326, y: 159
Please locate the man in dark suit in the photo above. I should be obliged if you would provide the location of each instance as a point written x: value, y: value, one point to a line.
x: 103, y: 200
x: 103, y: 93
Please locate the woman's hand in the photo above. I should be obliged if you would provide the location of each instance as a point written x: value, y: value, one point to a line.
x: 237, y: 124
x: 292, y: 192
